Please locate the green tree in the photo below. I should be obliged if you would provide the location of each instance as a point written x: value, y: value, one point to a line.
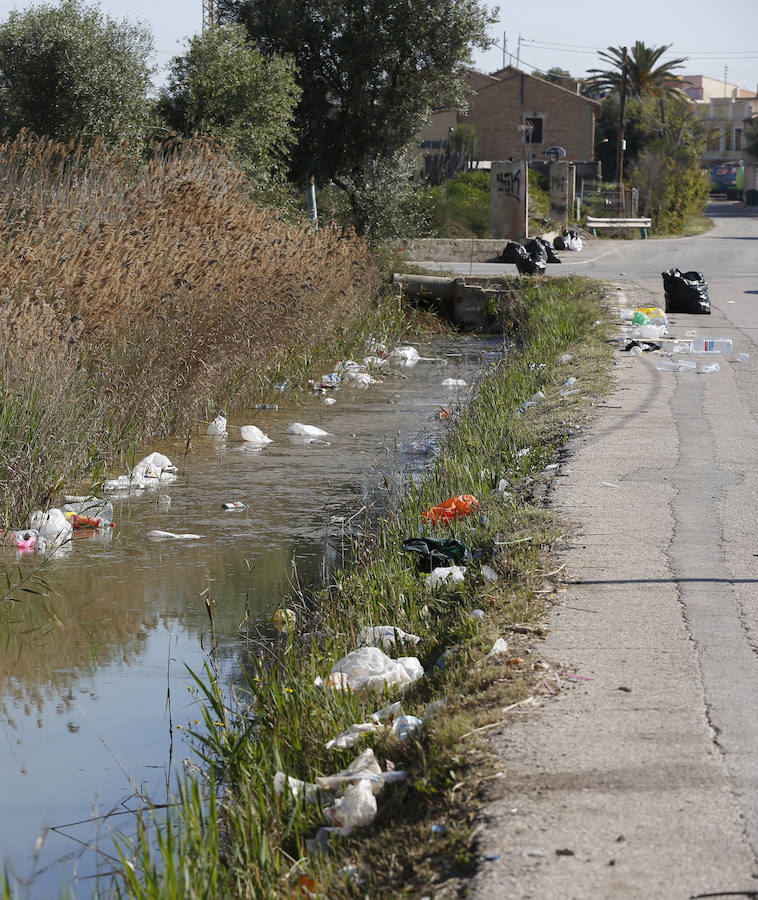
x: 72, y: 73
x: 645, y: 74
x: 751, y: 138
x: 370, y: 72
x: 224, y: 88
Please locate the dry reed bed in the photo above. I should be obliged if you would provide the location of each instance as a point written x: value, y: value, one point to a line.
x: 136, y: 299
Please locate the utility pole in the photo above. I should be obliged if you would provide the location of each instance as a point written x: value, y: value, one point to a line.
x: 209, y: 14
x: 621, y: 142
x: 505, y: 46
x: 518, y: 51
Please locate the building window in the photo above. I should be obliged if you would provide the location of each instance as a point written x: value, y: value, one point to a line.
x: 728, y: 137
x: 738, y: 139
x: 533, y: 129
x: 714, y: 139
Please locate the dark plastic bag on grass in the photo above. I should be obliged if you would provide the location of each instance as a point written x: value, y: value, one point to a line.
x: 686, y: 292
x: 539, y: 247
x: 435, y: 552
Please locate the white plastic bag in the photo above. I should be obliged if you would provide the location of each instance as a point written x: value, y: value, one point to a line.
x: 217, y: 427
x: 155, y: 466
x: 385, y: 636
x: 356, y: 808
x: 253, y: 435
x: 157, y: 535
x: 443, y: 574
x: 306, y: 430
x: 52, y: 526
x: 308, y: 792
x: 488, y: 573
x: 363, y: 768
x: 369, y: 667
x: 500, y: 646
x: 453, y: 383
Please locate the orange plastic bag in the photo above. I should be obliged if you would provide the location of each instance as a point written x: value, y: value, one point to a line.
x: 455, y: 508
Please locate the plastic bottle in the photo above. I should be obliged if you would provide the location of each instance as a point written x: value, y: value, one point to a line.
x: 89, y: 512
x: 712, y: 345
x: 709, y: 369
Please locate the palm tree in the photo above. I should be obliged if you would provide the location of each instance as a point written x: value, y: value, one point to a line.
x: 643, y: 75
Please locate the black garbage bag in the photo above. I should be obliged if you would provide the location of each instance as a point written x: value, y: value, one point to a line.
x: 686, y: 292
x: 511, y: 252
x: 529, y: 265
x: 540, y: 247
x: 433, y: 552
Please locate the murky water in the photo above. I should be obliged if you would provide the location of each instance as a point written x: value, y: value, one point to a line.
x: 85, y: 673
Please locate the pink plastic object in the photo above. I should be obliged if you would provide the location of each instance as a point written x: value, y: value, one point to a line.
x: 25, y: 540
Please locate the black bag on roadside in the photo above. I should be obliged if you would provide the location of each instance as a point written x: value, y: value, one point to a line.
x: 686, y: 292
x: 510, y: 253
x: 539, y: 247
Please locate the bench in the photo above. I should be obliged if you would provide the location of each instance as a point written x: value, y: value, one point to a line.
x: 595, y: 223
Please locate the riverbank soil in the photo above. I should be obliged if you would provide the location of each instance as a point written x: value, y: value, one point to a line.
x: 639, y: 777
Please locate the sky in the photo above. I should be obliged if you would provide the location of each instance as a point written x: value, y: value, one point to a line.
x: 568, y: 35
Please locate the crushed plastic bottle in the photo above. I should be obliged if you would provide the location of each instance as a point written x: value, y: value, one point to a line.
x: 709, y: 369
x: 743, y: 357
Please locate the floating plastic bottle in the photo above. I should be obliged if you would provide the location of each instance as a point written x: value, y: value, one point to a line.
x: 712, y: 345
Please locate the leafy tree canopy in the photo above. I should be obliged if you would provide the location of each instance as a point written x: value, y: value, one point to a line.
x: 72, y: 73
x: 644, y: 71
x: 370, y: 72
x: 225, y: 88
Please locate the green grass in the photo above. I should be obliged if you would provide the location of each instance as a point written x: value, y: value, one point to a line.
x: 230, y: 834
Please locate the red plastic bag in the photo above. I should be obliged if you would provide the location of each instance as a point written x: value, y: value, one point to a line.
x: 455, y: 508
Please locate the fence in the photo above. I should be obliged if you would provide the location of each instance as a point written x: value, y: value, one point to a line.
x: 597, y: 198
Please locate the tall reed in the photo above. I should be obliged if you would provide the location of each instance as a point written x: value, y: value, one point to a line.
x: 137, y: 299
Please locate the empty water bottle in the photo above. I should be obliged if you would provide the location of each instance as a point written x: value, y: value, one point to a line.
x: 712, y: 345
x: 709, y: 369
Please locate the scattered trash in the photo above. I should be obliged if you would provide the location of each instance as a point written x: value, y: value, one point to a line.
x: 712, y: 345
x: 500, y: 646
x: 386, y: 712
x: 281, y: 386
x: 568, y: 240
x: 444, y: 574
x: 298, y: 789
x: 369, y: 667
x: 541, y: 247
x: 488, y: 573
x: 570, y: 393
x: 686, y: 292
x: 385, y: 635
x: 364, y: 767
x: 351, y: 736
x: 502, y: 486
x: 24, y: 540
x: 88, y: 512
x: 359, y: 379
x: 408, y: 356
x: 649, y: 332
x: 356, y: 807
x: 455, y: 508
x: 306, y: 430
x: 453, y: 383
x: 476, y: 615
x: 709, y: 369
x: 320, y: 844
x: 329, y: 401
x: 170, y: 535
x: 270, y: 406
x: 284, y: 620
x: 217, y: 428
x: 743, y: 357
x: 52, y: 526
x: 671, y: 365
x: 234, y: 504
x: 566, y: 358
x: 253, y: 435
x: 439, y: 829
x: 536, y: 397
x: 597, y: 323
x: 526, y: 262
x: 152, y: 470
x: 436, y: 551
x: 164, y: 501
x: 405, y: 726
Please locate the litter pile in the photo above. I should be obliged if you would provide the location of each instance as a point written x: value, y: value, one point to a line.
x: 686, y: 292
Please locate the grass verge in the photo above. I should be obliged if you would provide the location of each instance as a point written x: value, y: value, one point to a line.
x: 232, y: 833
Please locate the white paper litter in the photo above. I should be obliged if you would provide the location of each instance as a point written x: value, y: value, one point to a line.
x: 442, y: 574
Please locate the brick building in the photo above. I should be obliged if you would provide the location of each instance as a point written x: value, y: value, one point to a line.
x: 516, y: 115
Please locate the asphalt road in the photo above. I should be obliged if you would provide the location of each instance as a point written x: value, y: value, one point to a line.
x: 639, y: 777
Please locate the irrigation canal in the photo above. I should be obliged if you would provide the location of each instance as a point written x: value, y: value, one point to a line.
x: 86, y: 672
